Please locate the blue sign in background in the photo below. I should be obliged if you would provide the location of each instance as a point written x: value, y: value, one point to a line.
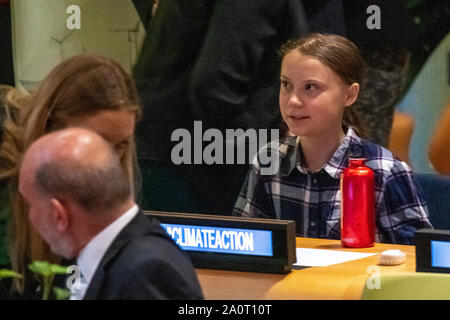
x: 440, y: 254
x: 221, y: 240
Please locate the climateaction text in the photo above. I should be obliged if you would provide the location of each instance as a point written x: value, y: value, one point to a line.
x: 222, y: 240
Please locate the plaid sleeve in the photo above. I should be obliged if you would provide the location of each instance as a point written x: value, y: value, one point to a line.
x: 402, y: 209
x: 254, y: 200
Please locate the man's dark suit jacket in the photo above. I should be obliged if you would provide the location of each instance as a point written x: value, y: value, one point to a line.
x: 143, y: 262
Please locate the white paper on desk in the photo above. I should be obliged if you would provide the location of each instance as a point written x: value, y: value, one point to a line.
x: 322, y: 258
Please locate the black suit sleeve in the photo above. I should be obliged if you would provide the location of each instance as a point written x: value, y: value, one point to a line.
x: 161, y: 279
x: 155, y: 269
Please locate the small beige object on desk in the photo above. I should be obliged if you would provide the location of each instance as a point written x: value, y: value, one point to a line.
x: 392, y: 257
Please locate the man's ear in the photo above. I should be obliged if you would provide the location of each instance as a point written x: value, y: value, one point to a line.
x: 59, y: 214
x: 352, y: 94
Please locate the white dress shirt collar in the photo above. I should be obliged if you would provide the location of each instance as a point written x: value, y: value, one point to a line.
x: 91, y: 255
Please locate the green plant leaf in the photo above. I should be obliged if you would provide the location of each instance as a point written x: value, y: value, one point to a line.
x: 48, y: 272
x: 57, y: 269
x: 46, y: 269
x: 6, y: 273
x: 61, y: 294
x: 40, y: 267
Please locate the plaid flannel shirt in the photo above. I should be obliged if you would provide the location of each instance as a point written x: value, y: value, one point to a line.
x: 313, y: 200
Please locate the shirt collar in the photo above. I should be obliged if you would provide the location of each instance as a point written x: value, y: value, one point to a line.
x: 333, y: 167
x: 91, y: 255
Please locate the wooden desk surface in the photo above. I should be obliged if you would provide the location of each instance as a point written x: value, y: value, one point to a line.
x: 339, y: 281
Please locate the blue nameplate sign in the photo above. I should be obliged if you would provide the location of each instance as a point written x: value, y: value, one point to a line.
x: 232, y: 243
x: 222, y: 240
x: 433, y: 250
x: 440, y: 254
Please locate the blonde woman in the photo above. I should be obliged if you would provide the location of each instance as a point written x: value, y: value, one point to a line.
x: 88, y: 91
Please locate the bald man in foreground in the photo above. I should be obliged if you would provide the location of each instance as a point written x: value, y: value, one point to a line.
x: 81, y: 204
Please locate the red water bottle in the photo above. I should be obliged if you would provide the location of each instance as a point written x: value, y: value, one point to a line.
x: 357, y: 205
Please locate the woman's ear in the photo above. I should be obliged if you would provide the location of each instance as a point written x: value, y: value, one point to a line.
x: 352, y: 94
x: 59, y: 214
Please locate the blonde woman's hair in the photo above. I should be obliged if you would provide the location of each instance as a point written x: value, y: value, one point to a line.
x: 79, y: 86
